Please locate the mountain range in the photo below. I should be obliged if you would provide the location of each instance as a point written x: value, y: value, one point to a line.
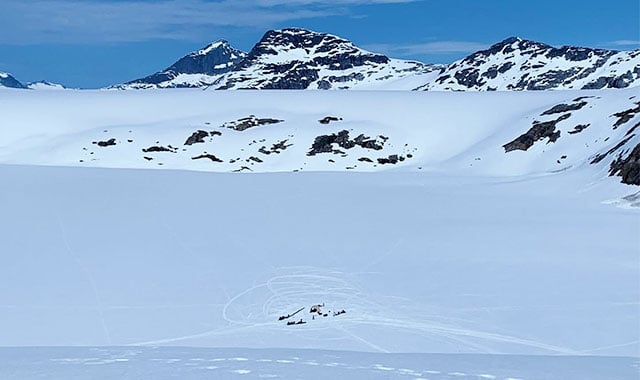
x: 295, y: 58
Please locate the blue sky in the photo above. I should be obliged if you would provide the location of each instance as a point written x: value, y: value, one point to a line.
x: 94, y: 43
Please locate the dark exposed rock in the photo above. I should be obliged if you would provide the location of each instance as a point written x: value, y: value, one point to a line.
x: 106, y: 143
x: 626, y: 115
x: 392, y: 159
x: 367, y: 143
x: 156, y: 148
x: 582, y: 98
x: 602, y: 156
x: 249, y: 122
x: 263, y: 150
x: 197, y: 137
x: 560, y: 108
x: 148, y: 158
x: 209, y: 156
x: 579, y: 128
x: 275, y: 148
x: 611, y: 81
x: 365, y: 159
x: 324, y: 143
x: 280, y: 146
x: 538, y: 131
x: 632, y: 129
x: 554, y: 137
x: 256, y: 159
x: 329, y: 119
x: 627, y: 168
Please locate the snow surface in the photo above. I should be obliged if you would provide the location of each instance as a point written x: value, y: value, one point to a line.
x: 189, y: 364
x: 512, y: 254
x: 421, y: 263
x: 443, y: 132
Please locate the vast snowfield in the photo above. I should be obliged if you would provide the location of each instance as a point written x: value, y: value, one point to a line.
x: 481, y: 264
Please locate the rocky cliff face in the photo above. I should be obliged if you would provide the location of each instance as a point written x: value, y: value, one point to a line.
x: 302, y: 59
x: 518, y: 64
x: 6, y: 80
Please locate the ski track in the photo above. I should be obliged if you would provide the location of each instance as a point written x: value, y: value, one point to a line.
x: 303, y: 287
x: 90, y: 279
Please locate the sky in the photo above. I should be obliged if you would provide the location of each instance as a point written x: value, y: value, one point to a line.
x: 96, y: 43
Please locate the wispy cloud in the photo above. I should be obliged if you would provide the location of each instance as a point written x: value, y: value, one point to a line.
x: 625, y: 43
x: 434, y: 47
x: 74, y: 21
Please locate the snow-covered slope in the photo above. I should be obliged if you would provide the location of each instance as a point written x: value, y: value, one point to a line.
x: 301, y: 59
x: 497, y: 133
x: 197, y: 69
x: 481, y: 226
x: 6, y: 80
x: 517, y: 64
x: 44, y: 85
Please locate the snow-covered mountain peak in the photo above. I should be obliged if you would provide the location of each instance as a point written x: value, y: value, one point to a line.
x: 196, y: 69
x: 218, y: 44
x: 309, y: 44
x: 521, y: 64
x: 296, y: 58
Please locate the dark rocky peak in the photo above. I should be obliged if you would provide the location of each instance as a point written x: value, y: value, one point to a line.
x: 216, y: 58
x: 534, y: 49
x: 511, y: 45
x: 311, y: 45
x: 303, y: 38
x: 6, y: 80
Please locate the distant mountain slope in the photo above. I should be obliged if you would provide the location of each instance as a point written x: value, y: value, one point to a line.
x: 301, y: 59
x: 6, y: 80
x: 518, y: 64
x: 291, y: 58
x: 197, y: 69
x: 295, y: 58
x: 44, y: 85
